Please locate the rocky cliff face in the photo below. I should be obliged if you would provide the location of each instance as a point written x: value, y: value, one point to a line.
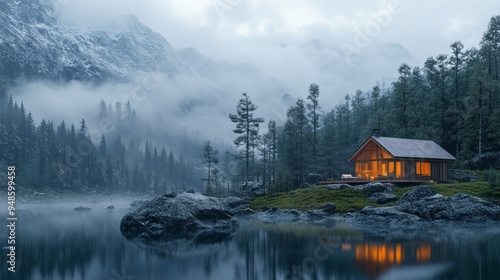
x: 35, y: 44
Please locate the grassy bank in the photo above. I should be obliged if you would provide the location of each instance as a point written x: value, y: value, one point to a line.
x: 350, y: 200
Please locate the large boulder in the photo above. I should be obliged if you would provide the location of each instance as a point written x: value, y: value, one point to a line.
x: 281, y: 216
x: 417, y: 193
x: 336, y: 187
x: 238, y: 206
x: 484, y: 161
x: 180, y: 215
x: 462, y: 175
x: 459, y: 207
x: 382, y: 197
x: 374, y: 187
x: 233, y: 202
x: 382, y: 218
x: 329, y: 208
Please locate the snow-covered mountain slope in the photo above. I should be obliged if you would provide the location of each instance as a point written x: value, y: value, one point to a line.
x: 35, y: 44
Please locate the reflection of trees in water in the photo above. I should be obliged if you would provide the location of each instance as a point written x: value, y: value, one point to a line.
x: 63, y: 246
x: 90, y: 246
x: 478, y: 259
x: 279, y: 254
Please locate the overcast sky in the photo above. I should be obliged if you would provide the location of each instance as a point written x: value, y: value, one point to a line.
x: 241, y: 30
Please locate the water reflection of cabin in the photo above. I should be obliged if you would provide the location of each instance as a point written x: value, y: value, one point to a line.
x: 386, y: 158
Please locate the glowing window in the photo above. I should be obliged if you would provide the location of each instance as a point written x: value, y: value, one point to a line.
x: 424, y: 168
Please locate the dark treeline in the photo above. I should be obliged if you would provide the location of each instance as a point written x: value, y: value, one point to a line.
x: 453, y: 100
x: 64, y: 156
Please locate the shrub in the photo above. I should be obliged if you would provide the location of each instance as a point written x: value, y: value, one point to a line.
x: 493, y: 178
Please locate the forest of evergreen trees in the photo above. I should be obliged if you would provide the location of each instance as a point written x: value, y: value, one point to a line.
x: 452, y: 99
x: 65, y: 156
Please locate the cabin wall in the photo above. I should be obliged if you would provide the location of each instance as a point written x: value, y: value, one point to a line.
x: 439, y: 171
x: 410, y: 170
x: 372, y: 170
x: 436, y: 171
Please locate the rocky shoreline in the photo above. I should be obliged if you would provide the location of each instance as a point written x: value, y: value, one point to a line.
x: 420, y: 211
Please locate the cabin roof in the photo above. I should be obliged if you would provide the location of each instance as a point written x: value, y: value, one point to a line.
x: 409, y: 148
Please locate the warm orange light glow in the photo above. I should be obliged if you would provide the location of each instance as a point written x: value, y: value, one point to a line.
x: 423, y: 168
x: 424, y: 253
x: 390, y: 257
x: 399, y: 254
x: 388, y: 169
x: 377, y: 258
x: 346, y: 247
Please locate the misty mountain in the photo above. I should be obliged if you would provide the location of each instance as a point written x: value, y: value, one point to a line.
x: 350, y: 63
x: 35, y: 44
x: 210, y: 68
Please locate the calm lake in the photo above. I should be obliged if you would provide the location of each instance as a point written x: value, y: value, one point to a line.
x: 56, y: 242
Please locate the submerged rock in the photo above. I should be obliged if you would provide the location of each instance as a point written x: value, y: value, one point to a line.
x: 180, y: 215
x: 82, y: 209
x: 276, y: 215
x: 291, y: 216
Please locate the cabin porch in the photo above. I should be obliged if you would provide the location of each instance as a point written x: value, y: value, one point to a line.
x: 358, y: 181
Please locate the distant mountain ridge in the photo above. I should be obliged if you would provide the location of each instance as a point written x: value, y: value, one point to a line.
x: 208, y: 67
x: 35, y: 44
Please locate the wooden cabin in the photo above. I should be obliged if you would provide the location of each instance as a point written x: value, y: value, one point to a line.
x: 387, y: 158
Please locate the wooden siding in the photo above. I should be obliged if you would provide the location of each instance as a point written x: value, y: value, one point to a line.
x: 374, y: 162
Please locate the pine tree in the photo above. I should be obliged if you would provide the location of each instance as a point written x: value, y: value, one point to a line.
x: 103, y: 111
x: 273, y: 146
x: 314, y: 115
x: 110, y: 176
x: 298, y: 128
x: 375, y: 97
x: 456, y: 62
x: 102, y: 146
x: 401, y: 89
x: 147, y: 163
x: 82, y: 132
x: 210, y: 159
x: 247, y: 127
